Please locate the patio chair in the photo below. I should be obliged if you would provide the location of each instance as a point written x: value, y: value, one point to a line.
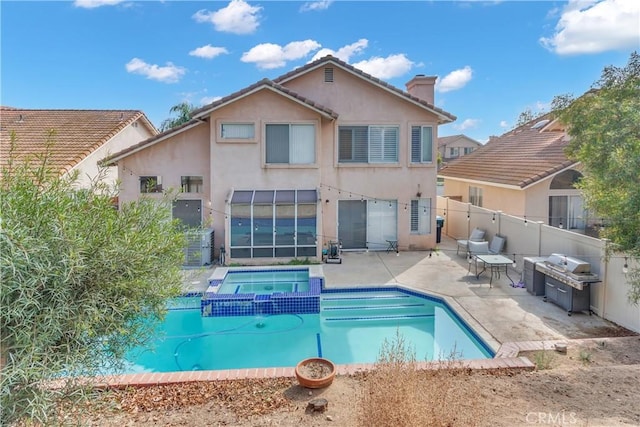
x: 495, y: 247
x: 477, y: 235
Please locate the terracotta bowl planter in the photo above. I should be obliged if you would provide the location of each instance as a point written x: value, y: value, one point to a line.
x: 315, y: 372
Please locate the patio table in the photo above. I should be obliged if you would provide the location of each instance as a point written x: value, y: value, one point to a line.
x: 494, y: 263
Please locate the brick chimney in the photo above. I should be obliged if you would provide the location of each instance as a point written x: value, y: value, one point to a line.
x: 422, y: 87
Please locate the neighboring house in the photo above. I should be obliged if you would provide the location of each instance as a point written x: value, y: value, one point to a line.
x: 455, y: 146
x: 525, y: 173
x: 282, y: 167
x: 76, y: 139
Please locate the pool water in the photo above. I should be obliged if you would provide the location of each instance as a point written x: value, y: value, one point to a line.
x: 265, y: 282
x: 350, y: 328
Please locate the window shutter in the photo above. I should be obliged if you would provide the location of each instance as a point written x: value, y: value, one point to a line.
x: 415, y: 144
x: 390, y: 144
x: 376, y: 144
x: 414, y: 216
x: 237, y: 130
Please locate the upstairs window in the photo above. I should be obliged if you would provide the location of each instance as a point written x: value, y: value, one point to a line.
x: 191, y: 184
x: 237, y: 131
x: 290, y: 144
x: 421, y: 144
x: 150, y: 184
x: 368, y: 144
x: 468, y: 150
x: 454, y: 151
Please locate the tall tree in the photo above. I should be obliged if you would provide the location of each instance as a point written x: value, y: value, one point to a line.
x: 82, y: 282
x: 604, y: 125
x: 184, y: 112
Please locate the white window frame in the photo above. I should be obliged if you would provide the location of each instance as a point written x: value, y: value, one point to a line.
x: 235, y: 131
x: 383, y: 143
x: 424, y: 153
x: 475, y: 196
x: 420, y: 216
x: 199, y: 188
x: 301, y: 151
x: 146, y: 188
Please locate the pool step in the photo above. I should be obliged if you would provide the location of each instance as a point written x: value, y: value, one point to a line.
x: 373, y: 307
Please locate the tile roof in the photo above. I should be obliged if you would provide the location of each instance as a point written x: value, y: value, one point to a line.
x: 77, y: 132
x: 445, y: 116
x: 518, y: 158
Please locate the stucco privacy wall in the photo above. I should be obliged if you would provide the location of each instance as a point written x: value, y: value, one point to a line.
x: 88, y: 167
x: 186, y: 154
x: 608, y: 297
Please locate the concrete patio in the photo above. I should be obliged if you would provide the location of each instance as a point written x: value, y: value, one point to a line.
x: 499, y: 313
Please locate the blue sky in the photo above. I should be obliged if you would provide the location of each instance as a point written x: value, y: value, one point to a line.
x: 493, y: 59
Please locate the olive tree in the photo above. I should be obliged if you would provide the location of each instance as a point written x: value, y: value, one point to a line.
x: 82, y: 282
x: 604, y: 125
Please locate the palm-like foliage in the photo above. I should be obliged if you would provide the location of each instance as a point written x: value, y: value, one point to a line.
x: 184, y: 112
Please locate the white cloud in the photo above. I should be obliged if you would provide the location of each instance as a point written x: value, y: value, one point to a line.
x: 208, y: 51
x: 316, y: 5
x: 596, y: 26
x: 209, y: 99
x: 504, y: 124
x: 168, y: 74
x: 91, y: 4
x: 467, y: 124
x: 269, y: 55
x: 455, y: 80
x: 239, y: 17
x: 386, y: 68
x: 344, y: 53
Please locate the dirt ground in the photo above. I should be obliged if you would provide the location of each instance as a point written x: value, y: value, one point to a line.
x: 596, y: 383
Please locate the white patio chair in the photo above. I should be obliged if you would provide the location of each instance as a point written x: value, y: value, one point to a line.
x: 477, y: 235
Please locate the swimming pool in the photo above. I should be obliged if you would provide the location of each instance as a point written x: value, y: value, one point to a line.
x: 350, y: 328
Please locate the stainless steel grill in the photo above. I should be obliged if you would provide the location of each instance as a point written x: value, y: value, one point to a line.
x: 568, y: 270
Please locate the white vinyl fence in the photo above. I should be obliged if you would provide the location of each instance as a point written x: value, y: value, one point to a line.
x: 528, y: 238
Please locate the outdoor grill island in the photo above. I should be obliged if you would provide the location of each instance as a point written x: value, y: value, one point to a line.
x: 567, y: 282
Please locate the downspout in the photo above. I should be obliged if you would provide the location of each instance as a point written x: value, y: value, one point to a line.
x: 605, y: 268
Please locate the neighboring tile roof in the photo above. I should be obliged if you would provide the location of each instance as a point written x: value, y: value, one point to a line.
x: 258, y: 86
x: 77, y: 132
x: 518, y: 158
x: 448, y: 117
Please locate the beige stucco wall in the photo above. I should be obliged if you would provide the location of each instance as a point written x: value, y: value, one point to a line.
x: 88, y: 167
x: 229, y: 165
x: 508, y: 200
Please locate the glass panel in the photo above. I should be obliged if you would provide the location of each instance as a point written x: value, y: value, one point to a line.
x: 345, y: 145
x: 277, y: 140
x: 263, y: 253
x: 241, y: 253
x: 263, y: 225
x: 237, y: 130
x: 565, y: 180
x: 302, y: 149
x: 286, y: 252
x: 306, y: 225
x: 150, y: 184
x: 352, y: 224
x: 416, y: 145
x: 427, y: 144
x: 576, y: 213
x: 240, y: 225
x: 243, y: 197
x: 191, y: 184
x: 285, y: 225
x: 188, y: 212
x: 263, y: 197
x: 381, y: 223
x: 307, y: 196
x: 286, y: 196
x: 558, y: 211
x: 353, y: 144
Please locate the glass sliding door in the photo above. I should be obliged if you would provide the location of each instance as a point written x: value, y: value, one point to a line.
x: 381, y: 223
x: 352, y: 224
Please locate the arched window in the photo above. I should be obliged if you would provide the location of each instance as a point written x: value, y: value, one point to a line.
x: 565, y: 180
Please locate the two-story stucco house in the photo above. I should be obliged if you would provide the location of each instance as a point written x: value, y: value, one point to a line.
x: 280, y: 168
x: 524, y: 172
x: 76, y: 140
x: 455, y: 146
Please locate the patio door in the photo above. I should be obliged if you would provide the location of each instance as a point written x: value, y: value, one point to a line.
x: 352, y: 224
